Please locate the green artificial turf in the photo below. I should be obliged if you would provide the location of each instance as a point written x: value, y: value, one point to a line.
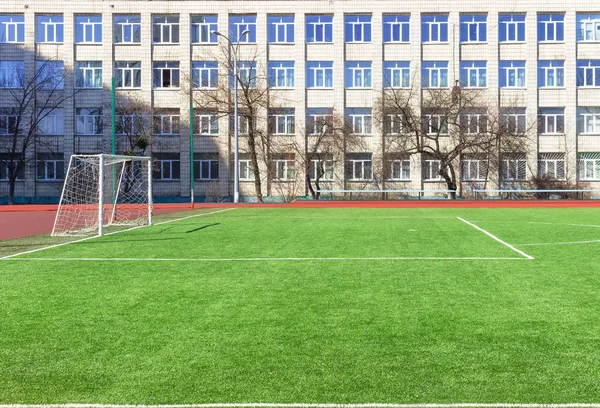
x: 169, y: 326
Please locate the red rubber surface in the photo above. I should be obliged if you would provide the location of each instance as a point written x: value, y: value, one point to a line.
x: 25, y: 220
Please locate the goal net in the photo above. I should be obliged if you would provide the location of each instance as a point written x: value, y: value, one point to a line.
x: 102, y: 191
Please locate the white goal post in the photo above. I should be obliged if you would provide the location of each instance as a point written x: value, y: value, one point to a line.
x: 104, y: 190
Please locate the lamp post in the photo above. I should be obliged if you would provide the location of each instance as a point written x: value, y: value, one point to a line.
x: 236, y: 132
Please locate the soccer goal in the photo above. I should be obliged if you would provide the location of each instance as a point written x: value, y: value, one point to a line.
x: 104, y: 190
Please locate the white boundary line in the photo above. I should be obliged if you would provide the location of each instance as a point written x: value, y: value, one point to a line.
x: 497, y: 239
x: 563, y: 243
x: 313, y: 405
x: 410, y: 258
x: 569, y: 225
x: 110, y: 233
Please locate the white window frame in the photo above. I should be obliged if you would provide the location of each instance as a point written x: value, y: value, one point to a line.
x: 480, y: 28
x: 474, y: 123
x: 51, y: 124
x: 512, y: 75
x: 281, y: 30
x: 552, y: 76
x: 436, y: 27
x: 512, y: 26
x: 246, y: 74
x: 396, y: 29
x: 431, y: 169
x: 393, y: 125
x: 245, y: 171
x: 50, y: 75
x: 284, y: 169
x: 514, y: 123
x: 208, y: 164
x: 475, y: 75
x: 12, y: 74
x: 317, y: 121
x: 207, y: 124
x: 167, y: 124
x: 131, y: 26
x: 167, y: 165
x: 361, y: 124
x: 552, y: 164
x: 167, y: 72
x: 323, y: 26
x: 327, y: 165
x: 128, y: 124
x: 588, y: 165
x: 550, y: 122
x: 203, y: 30
x: 360, y: 73
x: 362, y: 169
x: 52, y: 169
x: 474, y: 168
x: 91, y: 26
x: 211, y: 74
x: 437, y: 76
x: 282, y: 123
x: 91, y: 76
x: 399, y: 169
x: 591, y: 123
x: 282, y: 76
x: 396, y: 77
x: 547, y: 24
x: 87, y: 123
x: 436, y: 124
x: 594, y: 70
x: 320, y: 74
x: 129, y: 72
x: 238, y: 27
x: 168, y: 31
x: 513, y: 168
x: 50, y: 27
x: 588, y: 28
x: 359, y: 29
x: 11, y: 30
x: 8, y: 121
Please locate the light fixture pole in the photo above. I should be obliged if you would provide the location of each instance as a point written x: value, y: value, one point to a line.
x: 236, y: 131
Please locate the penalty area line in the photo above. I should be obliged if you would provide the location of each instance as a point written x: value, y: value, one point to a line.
x: 314, y: 405
x: 409, y: 258
x: 497, y: 239
x: 12, y: 257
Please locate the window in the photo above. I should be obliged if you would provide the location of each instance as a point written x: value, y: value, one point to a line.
x: 430, y: 169
x: 434, y: 28
x: 551, y: 27
x: 12, y: 74
x: 50, y: 166
x: 166, y: 123
x: 588, y: 121
x: 473, y: 74
x: 6, y: 164
x: 319, y: 29
x: 551, y: 74
x: 166, y: 166
x: 360, y: 121
x: 396, y: 29
x: 129, y: 124
x: 435, y: 74
x: 281, y: 122
x: 393, y: 124
x: 551, y: 121
x: 127, y: 29
x: 246, y: 75
x: 88, y: 121
x: 165, y: 29
x: 512, y: 74
x: 588, y: 27
x: 8, y: 121
x: 239, y: 24
x: 245, y: 169
x: 205, y: 74
x: 474, y: 122
x: 357, y: 28
x: 396, y: 74
x: 398, y: 167
x: 12, y: 28
x: 280, y: 29
x: 128, y: 74
x: 474, y: 167
x: 588, y: 73
x: 435, y: 124
x: 49, y: 29
x: 165, y: 74
x: 513, y: 167
x: 319, y: 74
x: 473, y: 28
x: 206, y: 124
x: 88, y: 29
x: 202, y: 28
x: 588, y: 166
x: 513, y: 121
x: 512, y: 27
x: 88, y: 74
x: 359, y: 166
x: 321, y: 167
x: 358, y: 74
x: 206, y: 166
x: 551, y: 165
x: 318, y: 120
x: 281, y: 74
x: 51, y: 123
x: 50, y: 75
x: 243, y: 124
x: 284, y: 167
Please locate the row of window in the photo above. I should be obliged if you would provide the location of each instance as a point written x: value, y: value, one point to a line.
x: 89, y: 121
x: 357, y: 167
x: 319, y: 74
x: 281, y: 28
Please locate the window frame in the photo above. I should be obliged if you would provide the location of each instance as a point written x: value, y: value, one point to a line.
x: 325, y: 22
x: 434, y: 29
x: 83, y: 73
x: 53, y: 167
x: 358, y: 28
x: 12, y: 75
x: 133, y: 70
x: 166, y: 163
x: 167, y: 73
x: 517, y: 23
x: 281, y: 74
x: 42, y: 28
x: 470, y: 68
x: 11, y: 31
x: 212, y: 166
x: 359, y: 75
x: 584, y: 19
x: 87, y: 120
x: 236, y: 28
x: 313, y: 68
x: 551, y: 74
x: 95, y: 31
x: 131, y: 23
x: 281, y: 122
x: 507, y: 68
x: 476, y: 22
x: 552, y: 164
x: 360, y: 121
x: 165, y: 32
x: 544, y: 23
x: 280, y: 29
x: 428, y: 72
x: 201, y: 27
x: 168, y: 120
x: 396, y: 28
x: 588, y: 72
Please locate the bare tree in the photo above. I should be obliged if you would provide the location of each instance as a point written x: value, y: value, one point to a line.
x: 216, y: 98
x: 34, y: 97
x: 134, y: 124
x: 443, y: 125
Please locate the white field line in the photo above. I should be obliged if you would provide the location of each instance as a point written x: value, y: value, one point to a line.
x: 496, y: 238
x: 314, y: 405
x: 408, y: 258
x: 569, y: 225
x: 110, y: 233
x: 563, y: 243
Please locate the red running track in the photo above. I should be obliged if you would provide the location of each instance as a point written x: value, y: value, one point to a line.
x: 25, y: 220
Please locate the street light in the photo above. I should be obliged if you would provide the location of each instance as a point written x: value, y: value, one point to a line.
x: 236, y: 132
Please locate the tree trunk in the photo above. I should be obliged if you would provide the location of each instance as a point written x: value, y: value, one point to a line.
x: 255, y: 169
x: 11, y: 190
x: 310, y: 188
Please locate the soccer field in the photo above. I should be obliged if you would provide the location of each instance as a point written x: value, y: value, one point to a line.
x: 283, y: 305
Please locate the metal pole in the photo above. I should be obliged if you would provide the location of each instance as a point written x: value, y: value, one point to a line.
x: 112, y: 114
x: 192, y: 155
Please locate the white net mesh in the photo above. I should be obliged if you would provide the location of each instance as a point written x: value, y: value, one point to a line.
x: 122, y: 186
